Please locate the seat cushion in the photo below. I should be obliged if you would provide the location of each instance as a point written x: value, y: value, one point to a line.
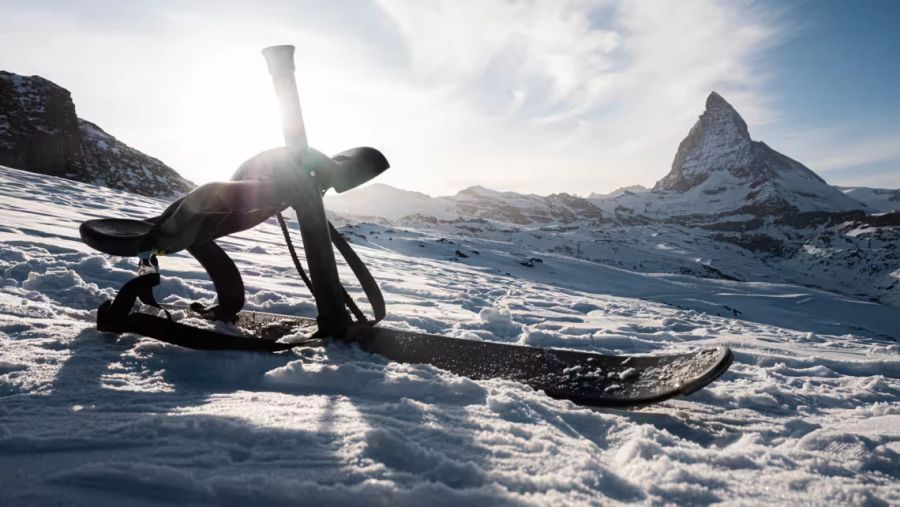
x: 115, y: 236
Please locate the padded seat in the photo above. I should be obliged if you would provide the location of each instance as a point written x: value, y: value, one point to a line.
x: 115, y: 236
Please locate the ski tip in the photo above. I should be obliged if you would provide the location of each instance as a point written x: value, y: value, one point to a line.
x: 723, y: 359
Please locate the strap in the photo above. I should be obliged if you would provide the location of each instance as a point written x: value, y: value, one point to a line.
x: 290, y: 245
x: 366, y: 280
x: 225, y: 277
x: 111, y: 316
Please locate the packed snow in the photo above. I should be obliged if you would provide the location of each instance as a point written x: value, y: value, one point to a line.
x: 807, y: 414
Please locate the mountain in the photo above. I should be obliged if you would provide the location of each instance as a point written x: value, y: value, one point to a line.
x: 380, y: 201
x: 387, y: 202
x: 730, y: 207
x: 627, y: 190
x: 876, y: 200
x: 719, y: 169
x: 41, y: 132
x: 718, y: 173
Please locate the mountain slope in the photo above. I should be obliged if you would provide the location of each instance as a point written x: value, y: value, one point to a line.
x: 40, y: 132
x: 877, y: 200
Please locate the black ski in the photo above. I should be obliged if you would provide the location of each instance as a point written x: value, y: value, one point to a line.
x: 586, y: 378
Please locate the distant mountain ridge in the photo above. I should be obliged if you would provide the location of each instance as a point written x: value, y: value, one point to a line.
x: 730, y: 207
x: 40, y: 132
x: 877, y: 200
x: 718, y: 174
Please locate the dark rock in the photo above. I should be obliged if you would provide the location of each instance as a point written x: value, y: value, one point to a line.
x: 40, y: 132
x: 38, y: 127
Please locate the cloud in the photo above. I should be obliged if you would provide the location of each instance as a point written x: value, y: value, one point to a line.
x: 596, y: 93
x: 535, y: 96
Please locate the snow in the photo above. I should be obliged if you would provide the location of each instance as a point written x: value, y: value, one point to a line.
x: 808, y: 413
x: 876, y: 199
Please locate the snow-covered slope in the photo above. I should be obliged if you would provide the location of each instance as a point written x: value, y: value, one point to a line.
x: 808, y: 414
x: 882, y: 200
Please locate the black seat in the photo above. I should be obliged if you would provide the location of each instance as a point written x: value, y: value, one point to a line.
x: 115, y: 236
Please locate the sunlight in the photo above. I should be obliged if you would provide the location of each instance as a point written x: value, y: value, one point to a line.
x: 225, y: 117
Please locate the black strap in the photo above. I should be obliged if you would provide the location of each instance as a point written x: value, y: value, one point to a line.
x: 366, y: 280
x: 112, y: 315
x: 290, y: 245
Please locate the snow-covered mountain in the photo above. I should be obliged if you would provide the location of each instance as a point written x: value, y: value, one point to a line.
x: 380, y: 201
x: 719, y: 173
x: 40, y: 132
x: 719, y: 169
x: 729, y: 208
x: 876, y: 200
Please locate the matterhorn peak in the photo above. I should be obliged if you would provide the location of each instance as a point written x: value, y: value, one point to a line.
x: 719, y: 113
x: 718, y: 158
x: 720, y: 135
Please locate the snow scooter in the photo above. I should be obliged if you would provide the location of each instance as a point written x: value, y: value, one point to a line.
x: 296, y: 176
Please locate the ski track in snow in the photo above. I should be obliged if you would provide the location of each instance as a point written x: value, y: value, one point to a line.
x: 808, y: 413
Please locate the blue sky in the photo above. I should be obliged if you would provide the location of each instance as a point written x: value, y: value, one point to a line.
x: 841, y: 71
x: 536, y: 96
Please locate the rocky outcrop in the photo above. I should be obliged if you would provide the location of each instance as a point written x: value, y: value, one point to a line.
x: 40, y: 132
x: 114, y: 164
x: 38, y: 127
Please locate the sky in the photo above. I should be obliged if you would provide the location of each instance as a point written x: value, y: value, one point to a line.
x: 574, y: 96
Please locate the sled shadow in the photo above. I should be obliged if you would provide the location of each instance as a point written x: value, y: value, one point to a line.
x: 95, y: 439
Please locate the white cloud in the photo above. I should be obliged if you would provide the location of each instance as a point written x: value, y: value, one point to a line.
x: 537, y: 96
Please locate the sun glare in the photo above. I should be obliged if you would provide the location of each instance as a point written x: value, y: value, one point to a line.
x: 226, y: 116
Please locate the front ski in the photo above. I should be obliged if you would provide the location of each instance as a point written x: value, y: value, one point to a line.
x: 586, y: 378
